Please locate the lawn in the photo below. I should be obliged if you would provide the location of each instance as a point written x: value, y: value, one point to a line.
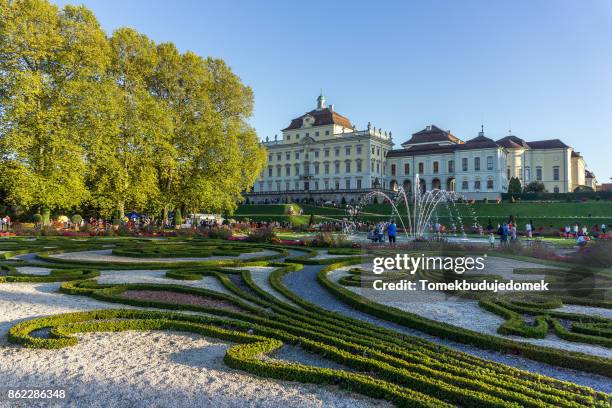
x: 549, y: 214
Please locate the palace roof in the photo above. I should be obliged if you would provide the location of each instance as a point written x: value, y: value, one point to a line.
x: 321, y: 117
x: 512, y: 142
x: 547, y: 144
x: 432, y: 134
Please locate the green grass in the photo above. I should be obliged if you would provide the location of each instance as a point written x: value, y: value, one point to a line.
x: 555, y: 214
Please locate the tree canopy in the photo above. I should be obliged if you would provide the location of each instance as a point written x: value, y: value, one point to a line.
x: 116, y: 122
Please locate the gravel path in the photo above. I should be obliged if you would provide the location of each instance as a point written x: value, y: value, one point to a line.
x: 305, y: 285
x: 141, y: 369
x: 260, y: 275
x: 464, y: 313
x: 106, y: 255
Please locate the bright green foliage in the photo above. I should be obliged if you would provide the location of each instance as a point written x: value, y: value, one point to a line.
x: 117, y: 122
x: 178, y: 217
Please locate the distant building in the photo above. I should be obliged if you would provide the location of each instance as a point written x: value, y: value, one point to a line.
x: 323, y: 157
x: 590, y: 180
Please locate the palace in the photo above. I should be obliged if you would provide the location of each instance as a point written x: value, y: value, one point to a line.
x: 323, y: 157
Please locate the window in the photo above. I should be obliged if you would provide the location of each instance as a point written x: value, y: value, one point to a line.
x: 326, y: 168
x: 278, y: 157
x: 317, y: 134
x: 288, y: 156
x: 477, y: 185
x: 556, y: 173
x: 347, y: 166
x: 296, y: 185
x: 358, y: 183
x: 297, y: 135
x: 297, y: 155
x: 326, y: 152
x: 490, y: 184
x: 269, y: 157
x: 378, y: 167
x: 435, y: 167
x: 337, y: 168
x: 288, y: 137
x: 297, y: 169
x: 287, y: 170
x: 476, y: 163
x: 464, y: 164
x: 556, y: 189
x: 393, y: 169
x: 347, y: 184
x: 261, y: 186
x: 527, y: 173
x: 378, y: 151
x: 307, y: 134
x: 316, y: 166
x: 327, y: 133
x: 519, y: 170
x: 278, y: 186
x: 316, y: 152
x: 451, y: 166
x: 539, y: 173
x: 326, y: 184
x: 359, y: 166
x: 337, y: 151
x: 359, y: 149
x: 508, y: 173
x: 489, y: 162
x: 278, y: 171
x: 337, y: 184
x: 421, y: 168
x: 372, y: 149
x: 406, y: 168
x: 269, y: 171
x: 347, y: 150
x: 286, y: 186
x: 464, y: 185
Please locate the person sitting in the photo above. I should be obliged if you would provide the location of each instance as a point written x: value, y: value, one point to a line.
x: 581, y: 241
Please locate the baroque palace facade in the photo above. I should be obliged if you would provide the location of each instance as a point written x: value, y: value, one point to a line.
x: 323, y: 157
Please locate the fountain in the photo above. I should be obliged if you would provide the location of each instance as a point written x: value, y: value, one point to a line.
x: 420, y: 207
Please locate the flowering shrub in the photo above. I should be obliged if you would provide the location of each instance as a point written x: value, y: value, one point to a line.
x: 264, y: 234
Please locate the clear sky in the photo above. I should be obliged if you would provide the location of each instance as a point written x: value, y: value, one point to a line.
x: 541, y: 68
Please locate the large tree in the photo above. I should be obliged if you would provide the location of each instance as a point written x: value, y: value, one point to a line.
x: 120, y: 122
x: 49, y: 62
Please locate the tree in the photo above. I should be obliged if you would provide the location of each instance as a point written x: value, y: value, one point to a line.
x: 514, y: 186
x: 118, y: 122
x: 49, y: 62
x: 535, y: 187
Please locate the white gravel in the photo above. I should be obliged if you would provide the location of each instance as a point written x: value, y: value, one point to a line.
x: 33, y: 270
x: 324, y: 254
x: 139, y: 369
x: 463, y: 312
x: 106, y: 255
x: 261, y: 275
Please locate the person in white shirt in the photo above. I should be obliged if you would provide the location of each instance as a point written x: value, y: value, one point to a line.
x: 528, y: 229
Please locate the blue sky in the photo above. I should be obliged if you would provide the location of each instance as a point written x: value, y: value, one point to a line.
x: 541, y: 68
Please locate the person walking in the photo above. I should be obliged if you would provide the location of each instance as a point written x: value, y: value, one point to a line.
x: 392, y: 232
x: 528, y: 229
x: 492, y: 240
